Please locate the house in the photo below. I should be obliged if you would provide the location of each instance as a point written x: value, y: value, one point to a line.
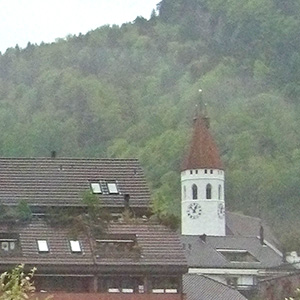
x: 135, y: 256
x: 230, y: 248
x: 50, y: 219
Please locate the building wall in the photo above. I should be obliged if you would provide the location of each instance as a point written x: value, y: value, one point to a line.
x: 279, y: 288
x: 211, y: 220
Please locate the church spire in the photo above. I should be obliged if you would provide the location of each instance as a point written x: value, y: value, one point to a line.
x: 202, y: 183
x: 203, y: 152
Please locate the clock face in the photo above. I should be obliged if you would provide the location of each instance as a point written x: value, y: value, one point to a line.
x: 221, y: 211
x: 194, y: 210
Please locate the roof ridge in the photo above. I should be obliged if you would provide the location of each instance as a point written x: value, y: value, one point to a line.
x: 67, y: 158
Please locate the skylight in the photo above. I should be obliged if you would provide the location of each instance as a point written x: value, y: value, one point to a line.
x: 112, y: 188
x: 237, y: 255
x: 75, y: 246
x: 42, y: 246
x: 96, y: 188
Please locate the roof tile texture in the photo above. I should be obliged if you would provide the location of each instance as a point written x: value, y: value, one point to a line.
x: 203, y: 152
x: 62, y: 181
x: 198, y: 287
x: 159, y: 246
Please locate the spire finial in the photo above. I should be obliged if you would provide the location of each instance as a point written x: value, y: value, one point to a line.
x: 198, y: 107
x: 201, y: 110
x: 205, y: 116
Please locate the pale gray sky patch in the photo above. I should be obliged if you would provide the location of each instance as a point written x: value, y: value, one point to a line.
x: 23, y: 21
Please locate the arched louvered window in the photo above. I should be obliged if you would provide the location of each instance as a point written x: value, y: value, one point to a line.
x: 220, y: 192
x: 208, y: 191
x: 195, y: 191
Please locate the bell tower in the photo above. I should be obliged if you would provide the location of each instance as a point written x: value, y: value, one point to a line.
x: 202, y: 184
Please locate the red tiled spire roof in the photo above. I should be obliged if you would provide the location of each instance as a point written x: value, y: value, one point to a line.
x: 203, y: 152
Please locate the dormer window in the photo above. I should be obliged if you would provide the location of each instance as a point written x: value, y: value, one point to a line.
x: 42, y: 246
x: 124, y: 245
x: 75, y: 246
x: 96, y: 188
x: 9, y: 243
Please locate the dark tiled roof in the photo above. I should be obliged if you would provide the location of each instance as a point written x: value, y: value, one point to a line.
x: 159, y: 247
x: 198, y: 287
x: 241, y: 225
x: 62, y: 181
x: 205, y: 255
x: 203, y: 152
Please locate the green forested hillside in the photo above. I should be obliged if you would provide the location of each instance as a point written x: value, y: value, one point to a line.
x: 130, y: 91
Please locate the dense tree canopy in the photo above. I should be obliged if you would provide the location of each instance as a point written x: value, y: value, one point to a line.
x: 130, y: 91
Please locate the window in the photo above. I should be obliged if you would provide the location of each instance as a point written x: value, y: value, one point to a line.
x: 220, y: 192
x: 232, y: 281
x: 42, y: 246
x: 168, y: 285
x: 237, y: 255
x: 205, y: 171
x: 75, y: 246
x: 211, y: 171
x: 9, y: 244
x: 195, y: 191
x: 191, y: 172
x: 208, y: 191
x: 96, y: 188
x: 184, y: 192
x: 112, y: 188
x: 122, y: 284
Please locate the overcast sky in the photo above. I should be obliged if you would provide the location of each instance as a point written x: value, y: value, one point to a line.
x: 22, y: 21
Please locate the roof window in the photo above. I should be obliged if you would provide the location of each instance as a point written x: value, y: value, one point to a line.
x: 75, y: 246
x: 42, y: 246
x: 112, y: 188
x: 237, y: 255
x: 96, y: 188
x: 105, y: 187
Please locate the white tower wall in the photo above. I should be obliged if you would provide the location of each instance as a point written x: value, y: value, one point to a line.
x: 205, y: 213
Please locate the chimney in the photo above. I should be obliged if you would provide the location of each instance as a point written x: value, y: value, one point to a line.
x: 126, y: 201
x: 261, y: 235
x: 203, y: 238
x: 53, y: 154
x: 284, y: 255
